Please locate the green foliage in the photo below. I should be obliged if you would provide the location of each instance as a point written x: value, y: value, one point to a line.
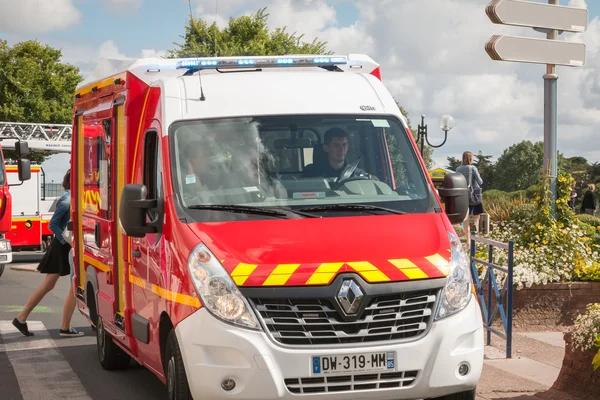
x: 500, y: 205
x: 585, y: 331
x: 486, y: 169
x: 589, y: 219
x: 524, y: 213
x: 34, y: 85
x: 519, y: 165
x: 546, y: 248
x: 453, y: 163
x: 244, y: 36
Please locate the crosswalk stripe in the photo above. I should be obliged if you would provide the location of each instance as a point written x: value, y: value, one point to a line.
x: 40, y: 368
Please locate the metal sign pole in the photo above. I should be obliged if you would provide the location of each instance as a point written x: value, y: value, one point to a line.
x: 550, y: 121
x: 551, y: 19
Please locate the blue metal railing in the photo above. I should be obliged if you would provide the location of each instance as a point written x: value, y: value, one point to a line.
x: 505, y: 292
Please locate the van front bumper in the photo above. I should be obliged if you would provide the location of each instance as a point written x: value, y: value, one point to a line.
x: 214, y: 351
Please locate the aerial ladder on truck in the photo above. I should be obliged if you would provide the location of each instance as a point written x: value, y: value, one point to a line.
x: 18, y: 192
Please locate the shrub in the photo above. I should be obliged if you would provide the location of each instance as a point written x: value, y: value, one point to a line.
x: 524, y: 213
x: 589, y: 219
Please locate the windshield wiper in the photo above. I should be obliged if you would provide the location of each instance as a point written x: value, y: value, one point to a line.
x: 240, y: 209
x: 351, y: 207
x: 272, y: 212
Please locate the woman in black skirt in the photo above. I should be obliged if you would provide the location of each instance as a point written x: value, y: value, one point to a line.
x: 54, y: 264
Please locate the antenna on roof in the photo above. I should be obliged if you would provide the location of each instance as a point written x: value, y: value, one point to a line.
x: 216, y: 26
x: 202, y: 97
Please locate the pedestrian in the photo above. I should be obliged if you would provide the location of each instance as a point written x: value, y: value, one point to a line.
x: 54, y: 264
x: 588, y: 204
x: 571, y: 201
x: 474, y: 182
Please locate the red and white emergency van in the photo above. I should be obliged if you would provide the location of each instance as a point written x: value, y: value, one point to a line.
x: 31, y: 211
x: 265, y: 228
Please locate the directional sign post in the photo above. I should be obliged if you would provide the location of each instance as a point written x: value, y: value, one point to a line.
x: 552, y: 19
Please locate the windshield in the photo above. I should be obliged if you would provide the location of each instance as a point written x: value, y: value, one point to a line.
x: 322, y: 165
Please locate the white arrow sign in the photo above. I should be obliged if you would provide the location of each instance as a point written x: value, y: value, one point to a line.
x: 538, y: 51
x: 538, y: 15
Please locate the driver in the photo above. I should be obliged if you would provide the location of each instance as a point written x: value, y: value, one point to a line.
x: 335, y: 146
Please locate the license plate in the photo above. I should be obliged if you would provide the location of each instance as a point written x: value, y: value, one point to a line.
x: 353, y: 363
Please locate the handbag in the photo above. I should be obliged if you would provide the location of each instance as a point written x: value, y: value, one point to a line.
x: 475, y: 196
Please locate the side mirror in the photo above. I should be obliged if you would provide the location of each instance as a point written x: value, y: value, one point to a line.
x: 24, y: 168
x: 456, y: 197
x: 21, y: 148
x: 134, y: 208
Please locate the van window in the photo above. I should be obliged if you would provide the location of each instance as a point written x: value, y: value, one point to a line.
x: 297, y: 162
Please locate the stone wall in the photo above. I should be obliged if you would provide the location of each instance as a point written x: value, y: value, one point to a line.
x: 551, y: 307
x: 577, y: 377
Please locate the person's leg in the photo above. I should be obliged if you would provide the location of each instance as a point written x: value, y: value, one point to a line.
x: 476, y: 222
x: 47, y: 285
x: 68, y: 309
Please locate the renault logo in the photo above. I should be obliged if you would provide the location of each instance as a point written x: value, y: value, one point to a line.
x: 350, y: 296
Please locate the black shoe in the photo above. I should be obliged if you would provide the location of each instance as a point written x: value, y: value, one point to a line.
x: 70, y: 332
x: 22, y: 327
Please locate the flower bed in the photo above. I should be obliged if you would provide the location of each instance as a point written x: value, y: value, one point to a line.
x: 547, y: 249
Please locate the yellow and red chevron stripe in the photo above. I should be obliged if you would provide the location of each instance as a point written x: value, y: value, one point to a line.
x: 391, y: 270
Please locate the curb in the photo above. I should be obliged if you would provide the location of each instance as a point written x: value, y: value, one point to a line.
x: 24, y: 267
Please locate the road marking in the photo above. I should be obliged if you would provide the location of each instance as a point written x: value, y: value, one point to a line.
x: 40, y: 368
x: 37, y: 309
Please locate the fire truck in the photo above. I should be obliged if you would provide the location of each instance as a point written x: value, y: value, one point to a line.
x: 265, y: 228
x: 32, y: 211
x: 23, y: 212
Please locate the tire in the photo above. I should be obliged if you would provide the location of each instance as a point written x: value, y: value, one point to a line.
x: 177, y: 384
x: 1, y: 269
x: 110, y: 355
x: 468, y: 395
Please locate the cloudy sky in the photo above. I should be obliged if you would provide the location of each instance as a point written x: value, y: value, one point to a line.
x: 431, y: 52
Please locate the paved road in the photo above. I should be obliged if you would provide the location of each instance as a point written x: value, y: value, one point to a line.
x: 50, y: 367
x: 53, y: 368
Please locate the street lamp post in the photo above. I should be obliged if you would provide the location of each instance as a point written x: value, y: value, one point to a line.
x: 446, y: 124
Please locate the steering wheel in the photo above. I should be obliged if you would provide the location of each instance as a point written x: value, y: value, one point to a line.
x: 346, y: 175
x: 348, y: 171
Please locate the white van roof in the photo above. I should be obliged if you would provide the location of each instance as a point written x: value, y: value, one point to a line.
x: 303, y: 84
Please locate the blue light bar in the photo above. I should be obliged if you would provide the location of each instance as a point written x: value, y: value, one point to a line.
x: 261, y: 62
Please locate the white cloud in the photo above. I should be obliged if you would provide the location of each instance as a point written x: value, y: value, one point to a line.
x: 434, y: 62
x: 127, y: 5
x: 37, y: 16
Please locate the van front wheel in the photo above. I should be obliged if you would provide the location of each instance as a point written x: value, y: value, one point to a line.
x: 468, y: 395
x: 177, y: 384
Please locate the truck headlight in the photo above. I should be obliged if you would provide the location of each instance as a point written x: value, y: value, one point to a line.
x: 5, y: 246
x: 457, y: 292
x: 218, y: 292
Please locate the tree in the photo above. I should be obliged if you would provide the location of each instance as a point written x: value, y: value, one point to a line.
x: 519, y: 166
x: 453, y: 163
x: 428, y: 157
x: 35, y: 86
x: 486, y: 169
x: 244, y: 36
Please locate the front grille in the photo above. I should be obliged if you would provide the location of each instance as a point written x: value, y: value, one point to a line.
x: 317, y: 322
x: 346, y: 383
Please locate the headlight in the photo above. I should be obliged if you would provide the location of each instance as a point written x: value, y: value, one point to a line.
x: 218, y: 292
x: 457, y: 292
x: 5, y: 246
